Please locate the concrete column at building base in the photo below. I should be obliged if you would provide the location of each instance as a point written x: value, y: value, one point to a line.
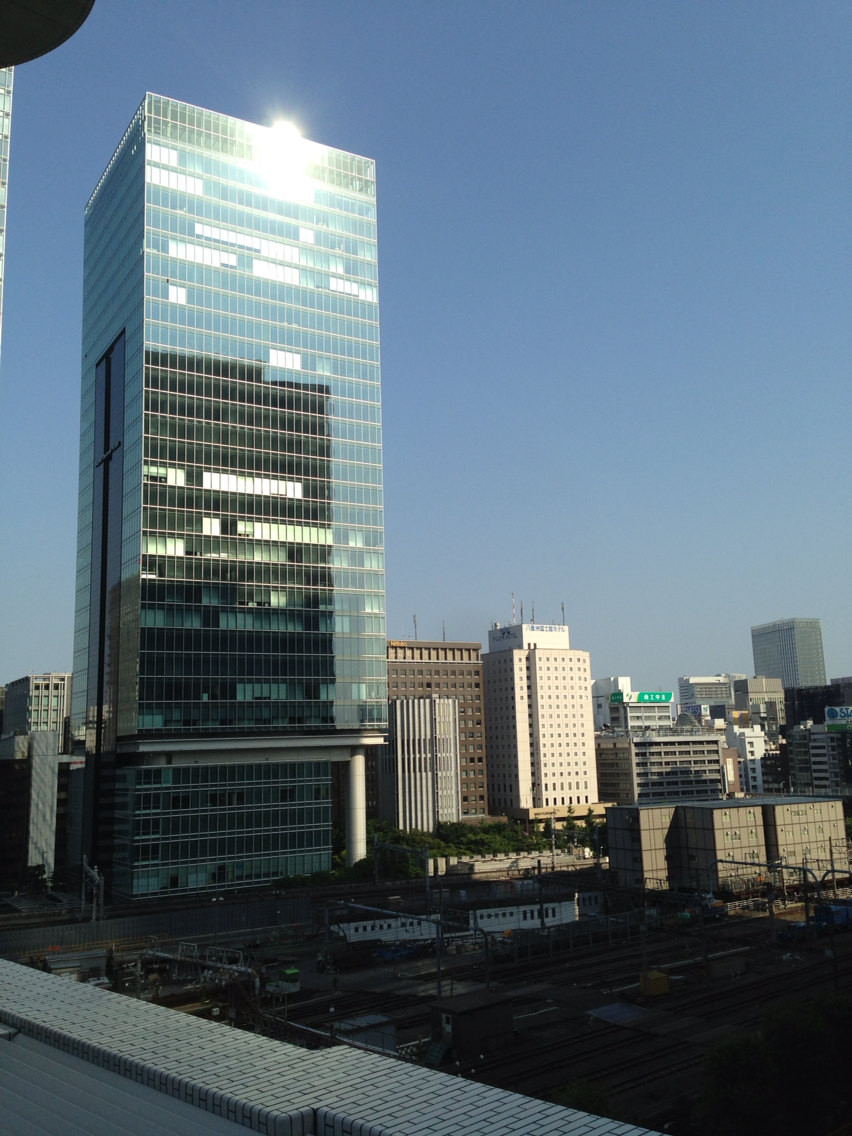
x: 356, y: 810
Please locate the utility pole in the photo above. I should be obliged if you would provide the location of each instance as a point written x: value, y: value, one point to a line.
x: 807, y: 895
x: 96, y: 882
x: 439, y: 932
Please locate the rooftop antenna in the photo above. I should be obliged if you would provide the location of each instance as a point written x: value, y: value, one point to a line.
x: 415, y: 626
x: 513, y: 608
x: 533, y: 612
x: 563, y: 613
x: 522, y: 611
x: 443, y: 630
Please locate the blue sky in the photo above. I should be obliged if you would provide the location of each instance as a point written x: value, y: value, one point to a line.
x: 615, y: 284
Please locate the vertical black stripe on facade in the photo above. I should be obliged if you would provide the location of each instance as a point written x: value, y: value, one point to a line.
x: 105, y: 589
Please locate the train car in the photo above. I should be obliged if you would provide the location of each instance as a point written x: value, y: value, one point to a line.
x: 590, y: 903
x: 528, y: 915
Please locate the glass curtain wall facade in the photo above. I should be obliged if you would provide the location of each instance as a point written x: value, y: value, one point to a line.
x: 230, y: 544
x: 6, y: 79
x: 790, y: 649
x: 190, y: 827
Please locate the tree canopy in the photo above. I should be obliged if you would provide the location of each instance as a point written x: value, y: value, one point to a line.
x: 789, y: 1078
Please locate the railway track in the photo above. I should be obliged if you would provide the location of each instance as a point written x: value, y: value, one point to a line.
x: 639, y: 1063
x: 602, y: 966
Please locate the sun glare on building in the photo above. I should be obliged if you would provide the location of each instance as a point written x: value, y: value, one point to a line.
x: 281, y: 158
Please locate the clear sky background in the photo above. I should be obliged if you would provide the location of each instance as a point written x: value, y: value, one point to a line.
x: 615, y: 248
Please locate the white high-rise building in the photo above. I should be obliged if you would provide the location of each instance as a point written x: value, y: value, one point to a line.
x: 6, y: 81
x: 539, y: 721
x: 750, y: 744
x: 419, y: 783
x: 602, y: 690
x: 38, y: 702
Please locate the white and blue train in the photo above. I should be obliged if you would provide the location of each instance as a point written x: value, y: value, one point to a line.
x: 503, y: 920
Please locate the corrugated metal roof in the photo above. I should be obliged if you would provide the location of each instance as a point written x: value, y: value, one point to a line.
x: 248, y: 1080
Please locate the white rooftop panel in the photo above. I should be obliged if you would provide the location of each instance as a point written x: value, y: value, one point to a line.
x: 240, y: 1078
x: 45, y: 1091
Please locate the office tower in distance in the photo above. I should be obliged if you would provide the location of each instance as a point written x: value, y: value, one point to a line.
x: 803, y: 703
x: 710, y: 690
x: 34, y: 789
x: 34, y: 773
x: 602, y: 690
x: 750, y: 745
x: 539, y: 722
x: 640, y: 710
x: 37, y: 702
x: 762, y: 699
x: 789, y: 649
x: 659, y: 764
x: 819, y: 756
x: 419, y: 784
x: 230, y: 632
x: 6, y: 80
x: 419, y: 668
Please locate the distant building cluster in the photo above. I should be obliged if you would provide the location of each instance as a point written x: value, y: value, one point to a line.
x: 520, y: 731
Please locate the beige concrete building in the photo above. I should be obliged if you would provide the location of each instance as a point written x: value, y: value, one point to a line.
x: 540, y: 723
x: 763, y: 700
x: 37, y: 702
x: 637, y: 837
x: 732, y: 844
x: 809, y: 832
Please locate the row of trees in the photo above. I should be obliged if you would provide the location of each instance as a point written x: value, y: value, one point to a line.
x: 789, y: 1078
x: 496, y: 838
x: 460, y: 839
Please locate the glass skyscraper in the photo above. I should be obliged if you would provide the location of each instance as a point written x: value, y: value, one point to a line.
x: 6, y: 80
x: 230, y: 628
x: 789, y: 649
